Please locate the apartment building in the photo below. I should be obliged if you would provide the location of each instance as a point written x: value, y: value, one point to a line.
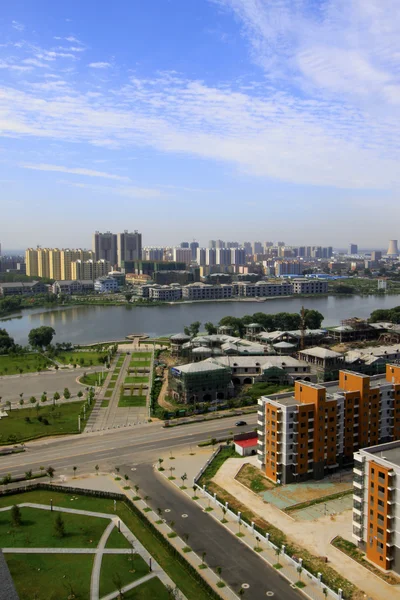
x: 89, y: 269
x: 72, y: 286
x: 308, y: 433
x: 104, y: 246
x: 53, y: 262
x: 129, y: 246
x: 200, y: 382
x: 106, y: 285
x: 23, y: 288
x: 262, y: 289
x: 165, y: 293
x: 203, y: 291
x: 307, y: 286
x: 375, y: 504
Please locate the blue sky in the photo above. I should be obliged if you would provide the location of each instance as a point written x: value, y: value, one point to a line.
x: 199, y: 119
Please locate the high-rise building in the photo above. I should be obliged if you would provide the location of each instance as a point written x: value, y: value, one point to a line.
x: 248, y: 248
x: 193, y: 246
x: 257, y: 248
x: 184, y: 244
x: 68, y: 256
x: 232, y: 244
x: 31, y: 261
x: 285, y: 267
x: 55, y: 263
x: 238, y: 256
x: 212, y: 244
x: 353, y: 249
x: 105, y: 247
x: 90, y: 269
x: 219, y: 244
x: 182, y: 255
x: 201, y: 257
x: 211, y: 257
x: 149, y: 253
x: 129, y: 246
x: 43, y: 262
x: 376, y: 255
x: 309, y: 433
x: 223, y: 257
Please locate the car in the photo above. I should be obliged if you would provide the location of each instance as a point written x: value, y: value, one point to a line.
x: 240, y: 423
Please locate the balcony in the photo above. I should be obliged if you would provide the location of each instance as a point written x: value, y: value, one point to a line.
x: 357, y: 519
x: 260, y: 433
x: 357, y: 471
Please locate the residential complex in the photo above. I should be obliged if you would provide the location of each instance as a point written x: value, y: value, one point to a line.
x: 89, y: 269
x: 23, y: 288
x: 54, y: 263
x: 376, y: 510
x: 308, y: 433
x: 129, y: 246
x: 200, y: 383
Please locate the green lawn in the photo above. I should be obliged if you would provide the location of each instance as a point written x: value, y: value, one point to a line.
x: 126, y: 401
x: 161, y: 554
x: 47, y: 576
x: 119, y: 566
x: 92, y: 379
x: 63, y: 419
x: 136, y: 380
x: 37, y: 530
x: 141, y: 354
x: 139, y: 363
x: 117, y: 540
x: 111, y: 385
x: 108, y: 393
x: 25, y: 363
x: 81, y: 358
x: 152, y: 589
x: 105, y: 403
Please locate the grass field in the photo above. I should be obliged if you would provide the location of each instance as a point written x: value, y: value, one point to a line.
x: 105, y: 403
x: 126, y: 401
x: 63, y: 419
x: 119, y: 566
x: 25, y: 363
x: 37, y: 530
x: 161, y: 554
x: 117, y: 540
x: 152, y: 589
x: 139, y: 363
x: 81, y: 358
x: 49, y: 576
x: 92, y: 379
x: 108, y: 393
x: 136, y: 379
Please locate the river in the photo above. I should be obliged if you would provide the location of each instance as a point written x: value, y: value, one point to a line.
x: 87, y: 324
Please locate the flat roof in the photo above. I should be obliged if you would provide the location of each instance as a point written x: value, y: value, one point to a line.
x: 389, y: 452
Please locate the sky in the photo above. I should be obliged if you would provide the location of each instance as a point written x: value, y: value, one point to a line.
x: 200, y: 119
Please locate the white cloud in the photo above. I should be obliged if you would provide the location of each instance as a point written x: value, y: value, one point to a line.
x: 126, y: 191
x: 35, y: 63
x: 74, y: 171
x: 18, y: 26
x: 13, y: 67
x: 99, y: 65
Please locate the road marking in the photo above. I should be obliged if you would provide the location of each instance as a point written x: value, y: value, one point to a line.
x: 184, y: 516
x: 245, y: 586
x: 167, y: 510
x: 269, y: 594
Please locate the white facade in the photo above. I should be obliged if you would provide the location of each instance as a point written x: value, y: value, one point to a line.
x: 165, y: 293
x: 182, y: 255
x: 263, y: 289
x: 307, y: 286
x: 202, y: 291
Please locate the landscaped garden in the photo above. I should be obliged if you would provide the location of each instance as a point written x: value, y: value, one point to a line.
x: 12, y: 364
x: 128, y: 401
x: 93, y: 379
x: 138, y: 379
x: 40, y: 421
x: 84, y: 358
x: 56, y: 576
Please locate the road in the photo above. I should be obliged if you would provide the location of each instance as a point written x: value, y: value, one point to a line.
x: 109, y: 448
x: 239, y: 563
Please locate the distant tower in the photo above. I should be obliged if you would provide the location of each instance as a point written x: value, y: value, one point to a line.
x: 382, y: 285
x: 393, y: 249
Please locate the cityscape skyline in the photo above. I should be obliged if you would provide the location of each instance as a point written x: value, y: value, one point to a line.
x: 252, y: 116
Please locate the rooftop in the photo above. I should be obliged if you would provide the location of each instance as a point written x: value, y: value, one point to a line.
x: 246, y: 443
x: 200, y: 367
x: 321, y: 353
x: 389, y: 452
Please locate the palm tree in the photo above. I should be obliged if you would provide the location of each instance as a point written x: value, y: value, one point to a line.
x: 126, y: 478
x: 74, y: 469
x: 160, y: 462
x: 277, y: 552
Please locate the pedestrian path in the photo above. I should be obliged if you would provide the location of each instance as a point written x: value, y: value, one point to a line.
x: 100, y: 551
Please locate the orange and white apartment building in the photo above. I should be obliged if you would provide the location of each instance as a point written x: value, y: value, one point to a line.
x: 308, y: 433
x: 376, y: 513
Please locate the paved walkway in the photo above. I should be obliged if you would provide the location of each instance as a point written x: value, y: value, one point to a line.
x: 100, y: 551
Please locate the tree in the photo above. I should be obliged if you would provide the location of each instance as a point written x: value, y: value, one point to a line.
x: 313, y: 318
x: 194, y: 328
x: 21, y: 402
x: 299, y: 570
x: 56, y: 397
x: 32, y: 400
x: 203, y: 555
x: 278, y: 551
x: 128, y: 296
x: 50, y: 472
x: 43, y: 397
x: 74, y: 469
x: 210, y: 328
x: 28, y: 474
x: 97, y: 469
x: 8, y: 404
x: 218, y: 571
x: 160, y: 462
x: 41, y: 336
x: 59, y: 526
x: 67, y: 394
x: 6, y: 342
x: 80, y: 394
x: 117, y: 581
x: 16, y: 517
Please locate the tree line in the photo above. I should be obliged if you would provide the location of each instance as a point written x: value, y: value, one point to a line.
x: 282, y: 321
x: 385, y: 314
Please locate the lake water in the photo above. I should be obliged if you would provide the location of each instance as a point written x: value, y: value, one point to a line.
x: 87, y: 324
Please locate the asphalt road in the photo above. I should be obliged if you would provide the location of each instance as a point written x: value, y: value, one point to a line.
x: 239, y: 563
x: 141, y: 444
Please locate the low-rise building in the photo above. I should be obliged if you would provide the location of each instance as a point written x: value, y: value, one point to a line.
x: 324, y: 363
x: 73, y: 286
x: 200, y: 382
x: 315, y: 430
x: 204, y: 291
x: 275, y: 369
x: 262, y: 289
x: 376, y: 510
x: 23, y: 288
x: 309, y: 286
x: 106, y: 285
x: 165, y: 293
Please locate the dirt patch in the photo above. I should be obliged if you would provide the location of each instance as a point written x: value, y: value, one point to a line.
x: 253, y: 479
